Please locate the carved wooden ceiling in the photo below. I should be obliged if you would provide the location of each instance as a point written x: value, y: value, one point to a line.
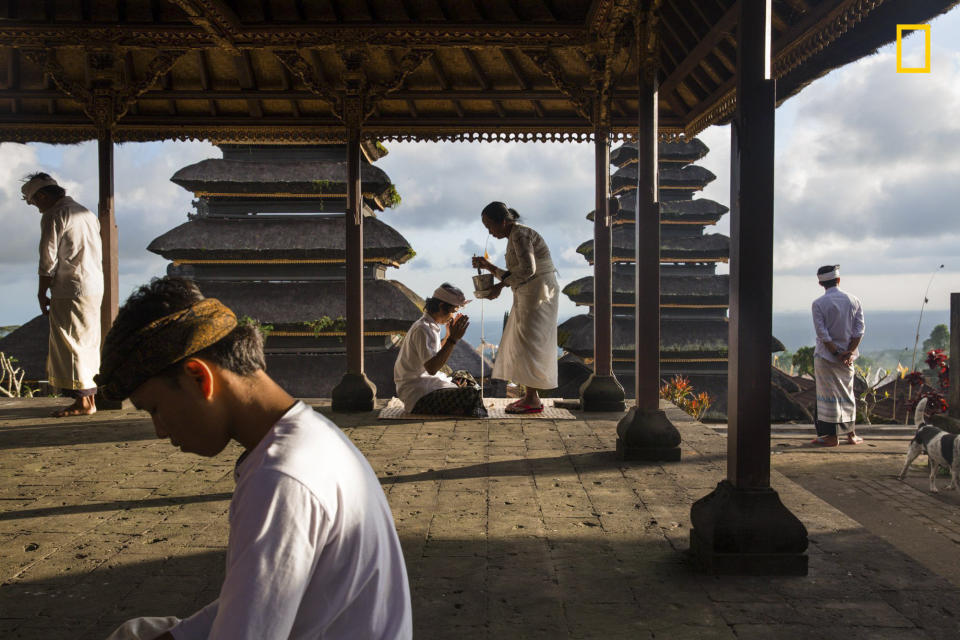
x: 298, y: 70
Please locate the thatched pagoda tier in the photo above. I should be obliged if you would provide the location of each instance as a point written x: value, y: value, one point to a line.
x: 302, y: 306
x: 711, y: 247
x: 314, y: 375
x: 690, y: 292
x: 322, y: 173
x: 701, y: 211
x: 693, y: 339
x: 277, y: 239
x: 281, y: 271
x: 684, y: 180
x: 674, y: 152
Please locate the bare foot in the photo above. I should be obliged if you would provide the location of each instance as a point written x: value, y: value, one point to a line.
x: 825, y: 441
x: 81, y: 407
x: 853, y: 438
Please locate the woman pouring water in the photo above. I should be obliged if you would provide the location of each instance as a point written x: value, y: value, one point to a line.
x: 528, y: 349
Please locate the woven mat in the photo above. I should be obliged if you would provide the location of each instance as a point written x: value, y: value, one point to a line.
x: 496, y: 407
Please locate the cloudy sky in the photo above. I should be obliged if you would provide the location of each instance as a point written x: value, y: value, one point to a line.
x: 867, y: 171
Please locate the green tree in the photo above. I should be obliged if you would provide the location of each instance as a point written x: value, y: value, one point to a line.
x: 939, y: 339
x: 803, y: 360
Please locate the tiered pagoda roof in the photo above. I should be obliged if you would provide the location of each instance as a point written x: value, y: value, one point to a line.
x: 711, y: 247
x: 318, y: 239
x: 692, y: 291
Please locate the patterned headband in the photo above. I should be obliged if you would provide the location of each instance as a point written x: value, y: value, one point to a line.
x: 129, y: 362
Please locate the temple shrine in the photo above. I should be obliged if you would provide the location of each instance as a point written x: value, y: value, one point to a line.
x: 267, y: 239
x: 693, y: 297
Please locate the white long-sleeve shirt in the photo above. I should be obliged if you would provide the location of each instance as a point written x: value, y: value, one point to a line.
x: 313, y: 552
x: 421, y: 343
x: 527, y: 256
x: 70, y: 250
x: 837, y: 318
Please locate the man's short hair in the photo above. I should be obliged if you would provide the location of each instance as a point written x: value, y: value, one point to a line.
x: 54, y: 191
x: 240, y: 351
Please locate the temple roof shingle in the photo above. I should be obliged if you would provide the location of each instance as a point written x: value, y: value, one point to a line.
x: 302, y: 238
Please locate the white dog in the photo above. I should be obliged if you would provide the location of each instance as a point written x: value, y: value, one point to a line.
x: 942, y: 449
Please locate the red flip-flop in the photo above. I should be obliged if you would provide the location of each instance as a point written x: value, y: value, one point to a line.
x: 519, y: 407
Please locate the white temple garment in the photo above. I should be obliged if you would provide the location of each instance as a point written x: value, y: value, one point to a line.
x: 70, y: 250
x: 73, y: 347
x: 836, y: 403
x: 527, y: 353
x: 313, y: 552
x: 527, y: 256
x: 837, y: 318
x: 421, y: 343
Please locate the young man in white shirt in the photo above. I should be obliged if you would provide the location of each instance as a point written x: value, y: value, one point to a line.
x: 421, y: 386
x: 313, y: 552
x: 71, y: 271
x: 838, y: 322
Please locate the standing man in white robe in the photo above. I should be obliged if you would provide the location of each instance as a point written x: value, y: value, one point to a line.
x: 71, y: 271
x: 838, y: 321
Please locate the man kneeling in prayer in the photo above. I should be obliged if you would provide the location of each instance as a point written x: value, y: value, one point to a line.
x: 313, y: 552
x: 421, y: 386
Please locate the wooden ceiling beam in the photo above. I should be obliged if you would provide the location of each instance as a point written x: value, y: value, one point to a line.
x: 444, y: 83
x: 298, y: 35
x: 482, y: 79
x: 215, y: 17
x: 246, y: 80
x: 294, y: 94
x: 521, y: 80
x: 720, y: 29
x: 205, y: 81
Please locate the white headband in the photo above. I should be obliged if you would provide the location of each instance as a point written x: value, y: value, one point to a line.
x: 30, y: 188
x: 450, y: 297
x: 829, y: 275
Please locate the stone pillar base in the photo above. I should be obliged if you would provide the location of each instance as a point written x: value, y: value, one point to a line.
x: 747, y: 532
x: 354, y: 393
x: 945, y: 422
x: 602, y: 393
x: 647, y: 435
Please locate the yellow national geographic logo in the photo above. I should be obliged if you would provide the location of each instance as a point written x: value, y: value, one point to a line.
x: 926, y: 48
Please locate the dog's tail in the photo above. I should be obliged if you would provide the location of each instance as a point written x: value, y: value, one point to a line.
x: 918, y: 413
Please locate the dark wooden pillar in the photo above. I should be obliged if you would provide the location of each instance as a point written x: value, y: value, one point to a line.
x: 953, y: 395
x: 354, y: 392
x: 743, y: 527
x: 109, y: 245
x: 951, y: 420
x: 108, y: 233
x: 602, y: 391
x: 645, y: 433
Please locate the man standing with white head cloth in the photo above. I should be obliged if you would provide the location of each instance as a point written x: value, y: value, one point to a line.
x: 72, y: 272
x: 838, y: 321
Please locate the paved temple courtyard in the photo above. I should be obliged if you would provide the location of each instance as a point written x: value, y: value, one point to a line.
x: 523, y: 528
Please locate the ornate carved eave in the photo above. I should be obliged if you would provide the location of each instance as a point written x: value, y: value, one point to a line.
x: 427, y: 71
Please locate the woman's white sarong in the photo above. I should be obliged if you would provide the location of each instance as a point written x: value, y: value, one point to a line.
x: 73, y: 354
x: 835, y: 400
x: 144, y: 628
x: 528, y: 349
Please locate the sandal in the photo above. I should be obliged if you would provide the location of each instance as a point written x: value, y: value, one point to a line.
x: 854, y: 439
x: 519, y: 407
x: 821, y: 441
